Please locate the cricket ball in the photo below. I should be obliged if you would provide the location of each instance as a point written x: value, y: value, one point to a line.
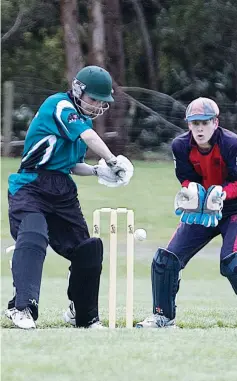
x: 140, y: 234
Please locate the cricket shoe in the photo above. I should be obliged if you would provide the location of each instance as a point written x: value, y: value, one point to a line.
x: 70, y: 317
x: 96, y: 325
x: 22, y: 319
x: 156, y: 321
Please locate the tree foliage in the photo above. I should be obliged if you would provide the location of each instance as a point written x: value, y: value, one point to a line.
x: 193, y: 47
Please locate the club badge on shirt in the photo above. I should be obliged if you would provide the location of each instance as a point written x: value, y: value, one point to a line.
x: 73, y: 117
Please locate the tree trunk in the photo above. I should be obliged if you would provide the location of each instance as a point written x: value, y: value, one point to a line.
x: 114, y: 40
x: 115, y: 129
x: 98, y: 33
x: 69, y: 21
x: 98, y: 49
x: 16, y: 25
x: 147, y: 43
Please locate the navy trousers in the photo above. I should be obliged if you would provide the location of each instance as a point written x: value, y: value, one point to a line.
x: 189, y: 239
x: 53, y: 194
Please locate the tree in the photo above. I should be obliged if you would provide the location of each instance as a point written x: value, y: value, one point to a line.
x: 152, y: 79
x: 16, y: 17
x: 74, y: 57
x: 22, y: 11
x: 116, y: 67
x: 114, y: 40
x: 98, y: 33
x: 98, y: 48
x: 193, y: 51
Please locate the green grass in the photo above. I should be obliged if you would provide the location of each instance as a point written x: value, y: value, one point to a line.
x: 203, y: 349
x: 68, y: 355
x: 149, y: 194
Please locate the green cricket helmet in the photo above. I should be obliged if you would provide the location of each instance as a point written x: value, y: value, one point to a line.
x: 96, y: 83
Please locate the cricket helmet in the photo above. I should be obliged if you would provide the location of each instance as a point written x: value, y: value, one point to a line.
x: 96, y: 83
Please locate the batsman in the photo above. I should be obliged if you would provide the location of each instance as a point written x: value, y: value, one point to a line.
x: 43, y: 203
x: 206, y: 166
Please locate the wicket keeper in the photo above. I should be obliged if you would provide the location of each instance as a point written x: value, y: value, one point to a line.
x: 43, y: 202
x: 206, y: 166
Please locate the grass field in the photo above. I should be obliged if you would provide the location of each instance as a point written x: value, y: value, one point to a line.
x: 203, y: 349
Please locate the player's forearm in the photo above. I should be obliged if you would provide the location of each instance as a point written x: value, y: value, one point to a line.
x: 96, y: 144
x: 83, y: 169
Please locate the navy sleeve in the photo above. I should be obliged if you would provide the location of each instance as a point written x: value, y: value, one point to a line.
x: 183, y: 168
x: 231, y: 161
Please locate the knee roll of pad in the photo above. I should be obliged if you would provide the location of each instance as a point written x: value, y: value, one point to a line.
x: 228, y: 269
x: 89, y: 253
x: 33, y: 231
x: 166, y: 260
x: 229, y: 265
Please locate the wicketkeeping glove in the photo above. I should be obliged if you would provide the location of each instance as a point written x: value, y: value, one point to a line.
x: 213, y: 205
x: 189, y: 203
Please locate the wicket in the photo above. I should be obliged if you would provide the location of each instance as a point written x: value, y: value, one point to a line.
x: 113, y: 260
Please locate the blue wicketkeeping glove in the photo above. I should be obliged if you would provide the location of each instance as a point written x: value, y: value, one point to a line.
x: 213, y: 205
x: 189, y: 203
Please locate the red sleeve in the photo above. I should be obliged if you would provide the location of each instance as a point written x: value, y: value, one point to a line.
x: 185, y: 183
x: 231, y: 190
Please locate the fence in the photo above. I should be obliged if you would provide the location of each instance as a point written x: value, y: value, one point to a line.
x: 142, y: 122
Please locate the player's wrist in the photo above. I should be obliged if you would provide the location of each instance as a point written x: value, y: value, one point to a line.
x: 111, y: 161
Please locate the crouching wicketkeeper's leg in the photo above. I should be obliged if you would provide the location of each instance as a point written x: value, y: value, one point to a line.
x: 28, y: 260
x: 84, y: 281
x: 229, y: 269
x: 165, y: 271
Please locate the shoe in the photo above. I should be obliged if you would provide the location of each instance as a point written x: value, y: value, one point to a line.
x: 70, y: 315
x: 96, y: 325
x: 156, y: 321
x: 22, y: 319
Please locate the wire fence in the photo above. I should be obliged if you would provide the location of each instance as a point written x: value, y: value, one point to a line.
x: 140, y: 121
